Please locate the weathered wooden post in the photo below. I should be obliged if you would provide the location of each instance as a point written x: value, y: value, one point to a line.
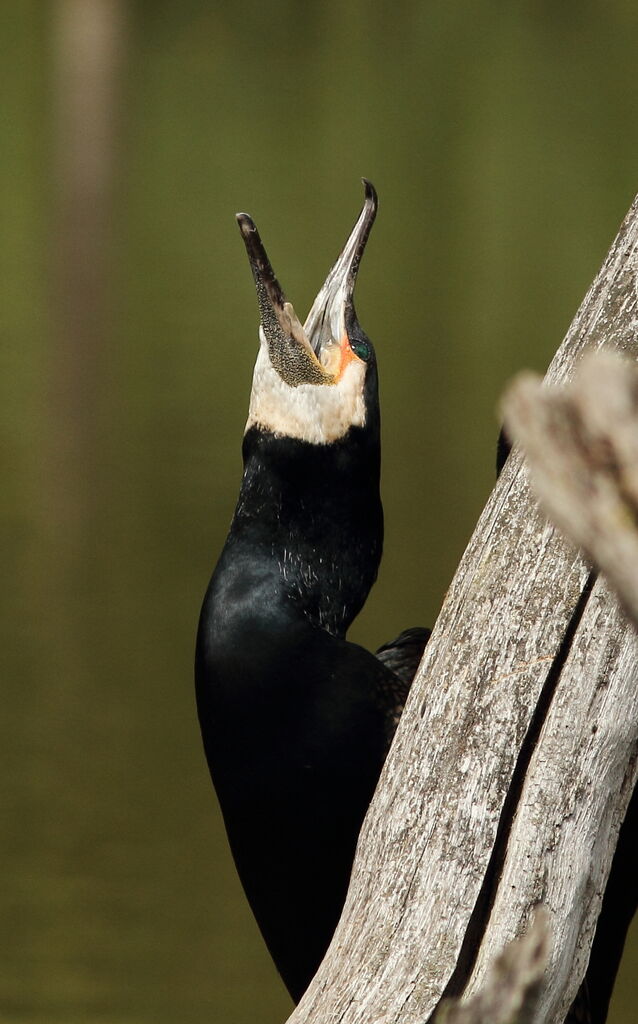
x: 515, y: 758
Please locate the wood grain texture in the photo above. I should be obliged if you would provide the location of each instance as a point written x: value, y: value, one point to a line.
x: 574, y: 798
x: 512, y: 987
x: 581, y: 447
x: 581, y: 450
x: 495, y: 777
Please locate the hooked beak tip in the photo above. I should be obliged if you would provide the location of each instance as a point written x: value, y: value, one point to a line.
x: 371, y: 196
x: 333, y: 308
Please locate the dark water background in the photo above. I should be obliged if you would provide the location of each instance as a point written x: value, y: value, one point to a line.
x: 503, y: 141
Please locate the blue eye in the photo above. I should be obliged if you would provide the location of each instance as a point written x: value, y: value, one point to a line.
x: 361, y: 349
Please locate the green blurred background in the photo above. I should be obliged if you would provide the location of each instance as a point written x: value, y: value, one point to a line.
x: 502, y: 140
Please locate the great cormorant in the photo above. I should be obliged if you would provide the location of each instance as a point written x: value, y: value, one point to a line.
x: 296, y: 720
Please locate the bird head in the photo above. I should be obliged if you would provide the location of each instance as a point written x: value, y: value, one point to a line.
x: 312, y: 381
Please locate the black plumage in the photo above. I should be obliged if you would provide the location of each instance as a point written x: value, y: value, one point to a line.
x: 296, y: 720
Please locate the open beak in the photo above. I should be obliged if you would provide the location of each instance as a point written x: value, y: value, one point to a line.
x: 332, y: 312
x: 309, y: 353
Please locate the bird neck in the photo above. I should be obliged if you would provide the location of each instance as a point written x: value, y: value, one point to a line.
x: 313, y: 513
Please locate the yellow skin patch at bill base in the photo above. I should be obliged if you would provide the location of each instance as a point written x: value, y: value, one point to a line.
x: 336, y: 356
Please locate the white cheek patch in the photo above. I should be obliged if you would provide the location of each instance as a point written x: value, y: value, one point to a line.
x: 317, y: 413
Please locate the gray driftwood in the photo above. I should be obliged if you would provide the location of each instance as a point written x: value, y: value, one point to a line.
x: 514, y: 759
x: 512, y: 987
x: 581, y: 450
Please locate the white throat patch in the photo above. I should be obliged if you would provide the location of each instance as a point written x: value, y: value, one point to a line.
x: 317, y: 413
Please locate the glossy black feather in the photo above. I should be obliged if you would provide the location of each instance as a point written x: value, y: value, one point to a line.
x: 402, y: 657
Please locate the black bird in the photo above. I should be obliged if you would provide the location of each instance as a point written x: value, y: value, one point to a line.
x: 296, y: 720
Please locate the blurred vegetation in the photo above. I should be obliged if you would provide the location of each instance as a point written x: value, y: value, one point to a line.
x: 501, y: 138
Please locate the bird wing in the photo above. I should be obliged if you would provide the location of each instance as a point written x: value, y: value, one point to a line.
x: 402, y: 657
x: 580, y: 1011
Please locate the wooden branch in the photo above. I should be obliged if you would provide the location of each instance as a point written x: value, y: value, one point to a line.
x: 513, y: 761
x: 581, y: 448
x: 511, y: 990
